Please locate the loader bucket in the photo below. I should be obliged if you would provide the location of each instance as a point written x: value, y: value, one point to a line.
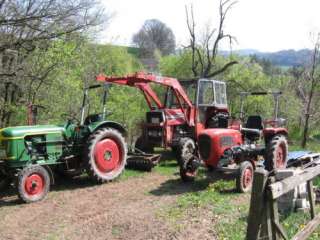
x: 142, y: 161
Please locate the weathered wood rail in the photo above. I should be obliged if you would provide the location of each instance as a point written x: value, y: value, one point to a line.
x: 263, y: 220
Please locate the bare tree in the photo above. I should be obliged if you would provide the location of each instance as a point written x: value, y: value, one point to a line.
x: 311, y: 82
x: 204, y: 52
x: 27, y: 25
x: 154, y: 35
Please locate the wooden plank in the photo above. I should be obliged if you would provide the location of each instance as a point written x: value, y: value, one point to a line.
x: 311, y: 199
x: 279, y: 188
x: 266, y: 225
x: 308, y: 229
x: 277, y: 230
x: 257, y: 204
x: 281, y: 230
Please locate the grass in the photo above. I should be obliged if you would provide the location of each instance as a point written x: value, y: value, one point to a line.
x: 129, y: 173
x: 229, y: 208
x: 312, y: 146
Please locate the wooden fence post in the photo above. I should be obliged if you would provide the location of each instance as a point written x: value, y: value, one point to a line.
x: 257, y: 205
x: 311, y: 199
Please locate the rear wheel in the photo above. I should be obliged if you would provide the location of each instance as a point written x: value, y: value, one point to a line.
x: 33, y: 183
x: 245, y: 177
x: 106, y: 155
x: 276, y: 156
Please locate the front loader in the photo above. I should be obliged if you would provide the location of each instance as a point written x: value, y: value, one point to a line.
x: 173, y: 120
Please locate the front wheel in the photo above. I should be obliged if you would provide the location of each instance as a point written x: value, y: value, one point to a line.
x: 106, y: 154
x: 188, y: 169
x: 276, y: 156
x: 188, y: 175
x: 245, y: 178
x: 33, y: 183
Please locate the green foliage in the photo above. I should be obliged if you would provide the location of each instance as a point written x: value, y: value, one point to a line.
x: 249, y: 74
x: 76, y: 63
x: 177, y: 66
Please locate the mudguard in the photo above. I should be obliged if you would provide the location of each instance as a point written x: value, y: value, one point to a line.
x: 111, y: 124
x: 269, y: 132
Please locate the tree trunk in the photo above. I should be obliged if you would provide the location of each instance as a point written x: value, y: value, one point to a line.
x: 305, y: 131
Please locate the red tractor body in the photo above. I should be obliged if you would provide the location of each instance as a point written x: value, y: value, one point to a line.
x: 238, y: 145
x: 187, y: 108
x: 214, y: 143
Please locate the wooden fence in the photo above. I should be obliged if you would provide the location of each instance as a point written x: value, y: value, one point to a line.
x: 263, y: 220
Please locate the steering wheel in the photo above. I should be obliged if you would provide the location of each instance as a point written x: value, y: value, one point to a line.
x: 237, y: 114
x: 70, y: 117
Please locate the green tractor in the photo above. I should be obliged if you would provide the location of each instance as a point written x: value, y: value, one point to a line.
x: 31, y: 155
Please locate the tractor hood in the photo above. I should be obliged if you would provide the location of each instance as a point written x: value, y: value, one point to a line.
x: 21, y: 131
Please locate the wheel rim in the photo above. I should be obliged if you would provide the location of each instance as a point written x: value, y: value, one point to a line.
x: 34, y: 184
x: 107, y: 155
x: 280, y: 156
x: 247, y: 178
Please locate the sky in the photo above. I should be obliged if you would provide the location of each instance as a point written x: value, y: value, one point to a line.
x: 265, y: 25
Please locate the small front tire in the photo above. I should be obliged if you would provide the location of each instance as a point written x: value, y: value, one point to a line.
x: 245, y: 178
x: 33, y: 183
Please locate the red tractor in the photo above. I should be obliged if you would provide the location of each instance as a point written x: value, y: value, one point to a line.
x: 176, y: 121
x: 236, y: 147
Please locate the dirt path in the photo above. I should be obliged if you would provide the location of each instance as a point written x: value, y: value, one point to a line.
x: 127, y: 209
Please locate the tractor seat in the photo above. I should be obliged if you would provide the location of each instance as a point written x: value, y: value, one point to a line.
x: 253, y: 127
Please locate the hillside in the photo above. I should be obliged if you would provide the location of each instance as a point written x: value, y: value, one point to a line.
x: 285, y: 58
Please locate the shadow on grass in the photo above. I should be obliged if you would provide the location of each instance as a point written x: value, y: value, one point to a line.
x: 177, y: 186
x: 9, y: 196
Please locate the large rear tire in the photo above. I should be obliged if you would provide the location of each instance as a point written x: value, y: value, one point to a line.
x: 33, y: 183
x: 106, y: 154
x: 276, y: 156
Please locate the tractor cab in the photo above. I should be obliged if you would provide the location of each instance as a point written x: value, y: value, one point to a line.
x: 86, y: 117
x: 212, y: 104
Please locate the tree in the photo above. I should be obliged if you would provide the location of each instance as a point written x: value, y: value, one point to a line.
x: 154, y: 35
x: 205, y: 51
x: 311, y: 83
x: 28, y: 28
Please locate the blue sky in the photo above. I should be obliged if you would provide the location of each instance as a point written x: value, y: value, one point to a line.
x: 266, y: 25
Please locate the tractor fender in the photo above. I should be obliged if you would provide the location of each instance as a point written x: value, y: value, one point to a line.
x: 109, y: 124
x: 270, y: 132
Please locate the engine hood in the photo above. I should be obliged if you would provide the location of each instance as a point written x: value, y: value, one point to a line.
x: 21, y: 131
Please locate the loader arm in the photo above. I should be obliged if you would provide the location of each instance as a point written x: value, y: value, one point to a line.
x: 142, y: 81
